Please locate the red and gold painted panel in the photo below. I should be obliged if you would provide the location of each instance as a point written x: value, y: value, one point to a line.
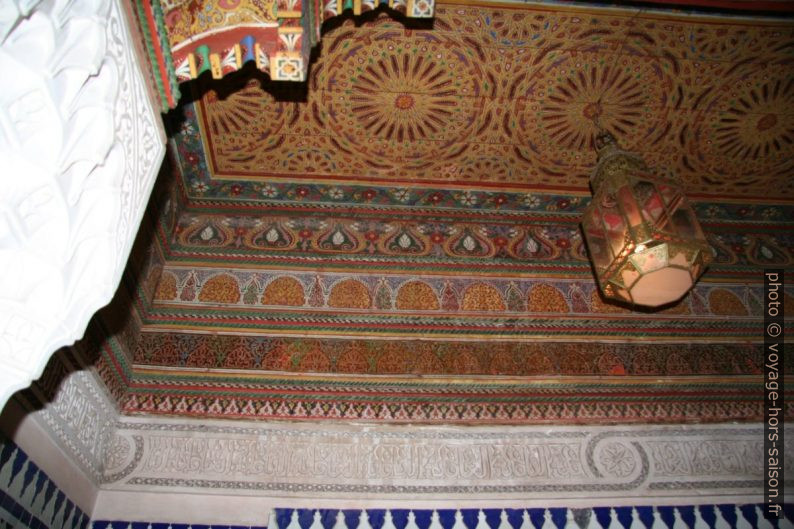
x: 399, y: 240
x: 185, y: 19
x: 476, y: 382
x: 433, y: 307
x: 438, y: 381
x: 445, y: 357
x: 484, y: 383
x: 512, y: 98
x: 477, y: 242
x: 439, y: 401
x: 511, y: 268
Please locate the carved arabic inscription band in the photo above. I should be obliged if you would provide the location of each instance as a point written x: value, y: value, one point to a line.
x: 436, y: 460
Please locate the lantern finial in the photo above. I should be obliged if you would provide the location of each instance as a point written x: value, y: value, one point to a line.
x: 605, y: 141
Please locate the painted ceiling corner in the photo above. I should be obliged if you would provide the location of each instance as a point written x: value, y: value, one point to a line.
x: 397, y: 239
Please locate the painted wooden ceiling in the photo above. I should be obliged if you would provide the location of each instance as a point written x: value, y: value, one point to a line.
x: 398, y: 239
x: 511, y: 98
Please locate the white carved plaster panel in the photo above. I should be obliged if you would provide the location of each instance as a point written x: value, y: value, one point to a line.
x: 80, y: 146
x: 82, y: 418
x: 348, y: 461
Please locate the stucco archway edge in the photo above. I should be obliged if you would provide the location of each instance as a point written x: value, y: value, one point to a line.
x: 80, y: 145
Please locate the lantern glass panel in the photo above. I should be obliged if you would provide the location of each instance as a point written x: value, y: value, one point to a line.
x: 684, y: 225
x: 614, y: 225
x: 596, y: 239
x: 650, y: 201
x: 694, y: 221
x: 662, y: 286
x: 629, y: 206
x: 651, y: 259
x: 669, y: 194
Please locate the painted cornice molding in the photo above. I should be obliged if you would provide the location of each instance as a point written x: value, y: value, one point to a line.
x: 80, y: 145
x: 152, y: 466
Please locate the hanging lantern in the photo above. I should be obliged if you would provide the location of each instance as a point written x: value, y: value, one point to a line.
x: 645, y: 242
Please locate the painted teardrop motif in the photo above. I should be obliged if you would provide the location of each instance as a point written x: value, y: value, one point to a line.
x: 764, y: 251
x: 189, y: 288
x: 469, y: 243
x: 317, y: 293
x: 338, y: 239
x: 210, y: 232
x: 725, y: 253
x: 405, y: 241
x: 274, y: 236
x: 532, y: 245
x: 383, y: 295
x: 449, y: 299
x: 514, y: 299
x: 251, y: 291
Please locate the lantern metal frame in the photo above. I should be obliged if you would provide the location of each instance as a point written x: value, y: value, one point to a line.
x: 643, y: 237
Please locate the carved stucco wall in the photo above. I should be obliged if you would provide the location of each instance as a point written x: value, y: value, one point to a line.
x: 80, y: 145
x: 435, y: 463
x: 174, y: 469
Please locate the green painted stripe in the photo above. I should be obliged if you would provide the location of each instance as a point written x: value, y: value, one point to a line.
x: 165, y: 45
x: 474, y: 399
x: 425, y: 387
x: 147, y: 39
